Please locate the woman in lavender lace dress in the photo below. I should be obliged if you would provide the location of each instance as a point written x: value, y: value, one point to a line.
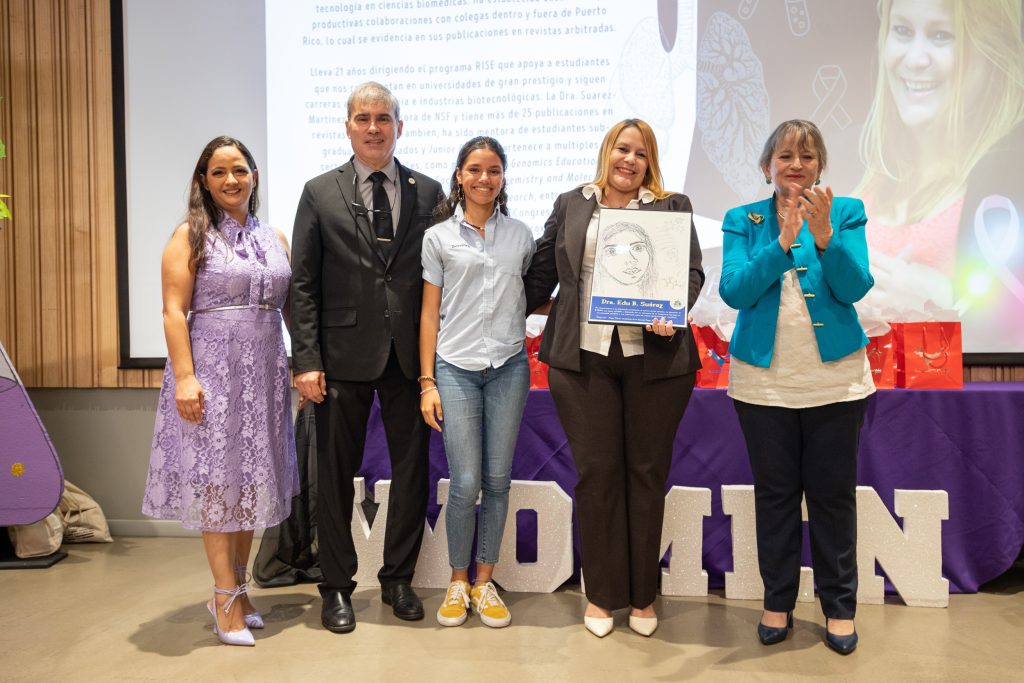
x: 223, y: 456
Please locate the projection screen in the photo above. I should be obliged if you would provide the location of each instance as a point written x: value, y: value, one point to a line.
x: 921, y: 116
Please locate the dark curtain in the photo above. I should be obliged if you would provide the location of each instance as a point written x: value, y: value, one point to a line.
x: 288, y: 551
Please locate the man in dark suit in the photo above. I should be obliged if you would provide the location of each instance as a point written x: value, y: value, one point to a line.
x: 355, y: 310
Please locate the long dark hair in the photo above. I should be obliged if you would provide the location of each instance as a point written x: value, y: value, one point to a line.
x: 202, y: 210
x: 446, y: 207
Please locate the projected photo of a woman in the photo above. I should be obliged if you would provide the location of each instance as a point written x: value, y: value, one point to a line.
x: 626, y: 262
x: 949, y: 94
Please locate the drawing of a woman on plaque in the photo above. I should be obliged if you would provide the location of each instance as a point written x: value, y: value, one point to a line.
x: 625, y: 262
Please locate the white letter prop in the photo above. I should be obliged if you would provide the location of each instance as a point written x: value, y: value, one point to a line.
x: 912, y: 556
x: 554, y: 539
x: 369, y: 543
x: 432, y: 567
x: 683, y: 529
x: 744, y: 581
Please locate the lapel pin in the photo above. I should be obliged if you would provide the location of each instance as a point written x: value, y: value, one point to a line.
x: 755, y: 217
x: 412, y: 181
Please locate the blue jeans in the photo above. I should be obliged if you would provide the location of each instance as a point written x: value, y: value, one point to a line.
x: 482, y: 410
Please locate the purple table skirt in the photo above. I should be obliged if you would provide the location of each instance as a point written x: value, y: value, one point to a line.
x: 969, y: 443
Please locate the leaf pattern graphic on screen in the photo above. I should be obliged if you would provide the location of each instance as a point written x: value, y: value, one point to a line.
x: 732, y: 103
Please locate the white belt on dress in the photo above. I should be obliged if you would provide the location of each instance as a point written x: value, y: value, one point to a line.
x: 237, y: 307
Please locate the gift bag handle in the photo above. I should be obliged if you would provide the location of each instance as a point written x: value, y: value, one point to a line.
x: 932, y: 359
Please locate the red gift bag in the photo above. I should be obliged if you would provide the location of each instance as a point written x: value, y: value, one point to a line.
x: 714, y: 358
x: 538, y: 369
x: 929, y: 355
x: 882, y: 357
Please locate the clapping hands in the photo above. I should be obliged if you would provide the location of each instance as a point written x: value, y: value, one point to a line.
x: 812, y: 204
x: 816, y: 205
x: 791, y: 220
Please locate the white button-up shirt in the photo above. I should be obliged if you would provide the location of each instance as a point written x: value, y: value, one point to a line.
x: 483, y: 300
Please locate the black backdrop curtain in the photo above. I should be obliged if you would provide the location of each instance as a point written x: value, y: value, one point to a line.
x: 288, y: 551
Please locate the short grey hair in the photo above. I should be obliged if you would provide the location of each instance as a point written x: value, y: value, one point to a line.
x: 372, y: 91
x: 804, y: 130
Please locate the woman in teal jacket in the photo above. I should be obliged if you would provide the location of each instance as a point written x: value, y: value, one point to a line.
x: 793, y: 265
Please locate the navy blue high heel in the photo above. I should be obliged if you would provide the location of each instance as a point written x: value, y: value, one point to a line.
x: 769, y: 635
x: 844, y: 645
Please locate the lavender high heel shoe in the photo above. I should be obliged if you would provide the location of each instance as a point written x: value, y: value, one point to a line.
x: 240, y: 637
x: 253, y: 619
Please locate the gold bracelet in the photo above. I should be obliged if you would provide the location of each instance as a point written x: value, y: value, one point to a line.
x: 426, y: 377
x: 432, y: 388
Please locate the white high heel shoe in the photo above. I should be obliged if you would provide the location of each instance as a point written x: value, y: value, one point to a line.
x: 240, y: 637
x: 599, y: 626
x: 645, y: 626
x: 253, y: 619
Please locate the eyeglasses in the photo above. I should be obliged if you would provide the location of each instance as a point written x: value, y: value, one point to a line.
x: 361, y: 210
x: 364, y: 212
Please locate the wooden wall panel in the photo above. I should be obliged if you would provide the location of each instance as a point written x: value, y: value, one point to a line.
x: 6, y: 241
x: 58, y: 270
x: 58, y: 274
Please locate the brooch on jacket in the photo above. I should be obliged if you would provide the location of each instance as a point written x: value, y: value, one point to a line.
x: 755, y: 218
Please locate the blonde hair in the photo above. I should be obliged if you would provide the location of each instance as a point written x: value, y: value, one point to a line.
x: 988, y: 31
x: 653, y: 180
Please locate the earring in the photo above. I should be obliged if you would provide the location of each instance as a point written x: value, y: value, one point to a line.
x: 818, y: 181
x: 459, y: 196
x: 767, y: 180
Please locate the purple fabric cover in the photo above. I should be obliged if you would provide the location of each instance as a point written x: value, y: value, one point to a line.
x: 968, y: 442
x: 31, y: 479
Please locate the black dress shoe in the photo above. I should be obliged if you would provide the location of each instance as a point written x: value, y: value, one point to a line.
x: 403, y: 600
x: 336, y: 613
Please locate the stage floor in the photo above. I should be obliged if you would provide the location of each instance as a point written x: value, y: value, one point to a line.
x: 134, y: 610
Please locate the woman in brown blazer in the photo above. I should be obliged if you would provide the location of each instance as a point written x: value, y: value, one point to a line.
x: 620, y: 391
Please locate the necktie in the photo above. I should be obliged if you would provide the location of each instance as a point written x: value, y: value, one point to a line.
x: 382, y: 223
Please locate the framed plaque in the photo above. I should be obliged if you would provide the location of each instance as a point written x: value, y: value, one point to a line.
x: 641, y: 267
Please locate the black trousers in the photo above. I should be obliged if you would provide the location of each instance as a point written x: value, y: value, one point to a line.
x: 796, y: 452
x: 621, y: 430
x: 341, y: 421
